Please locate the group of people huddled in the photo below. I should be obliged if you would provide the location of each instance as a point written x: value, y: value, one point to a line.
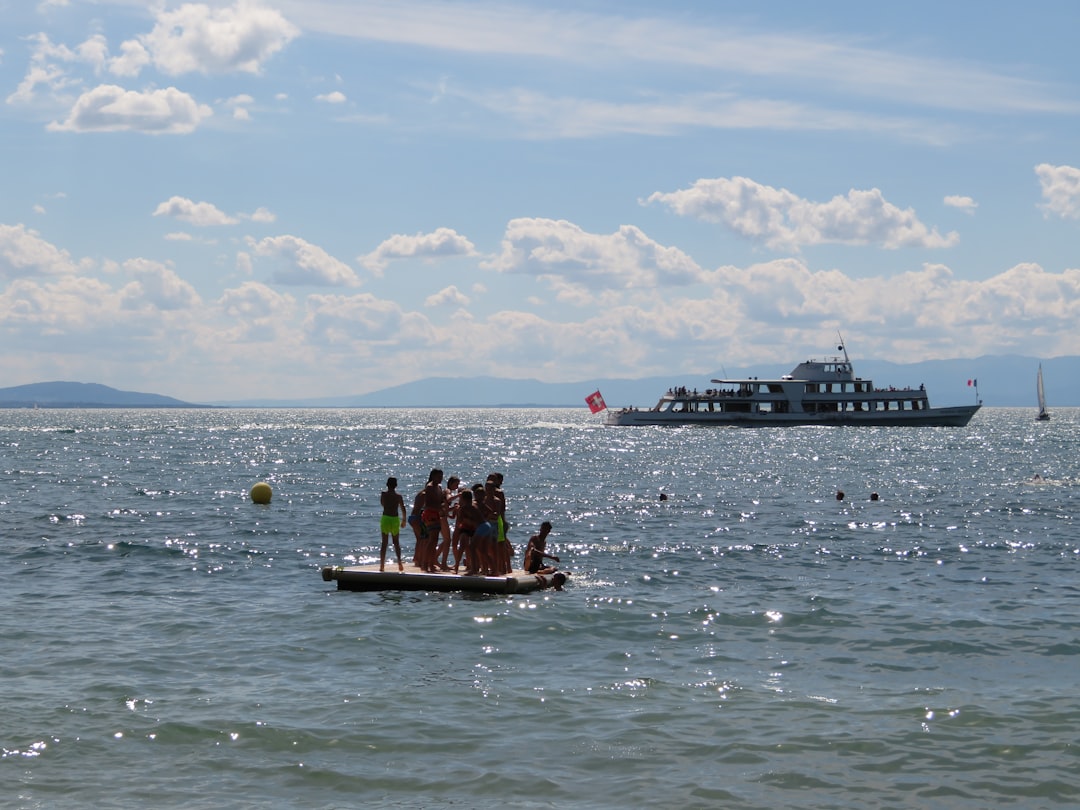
x: 477, y: 540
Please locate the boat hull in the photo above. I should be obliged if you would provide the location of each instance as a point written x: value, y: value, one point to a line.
x: 931, y: 417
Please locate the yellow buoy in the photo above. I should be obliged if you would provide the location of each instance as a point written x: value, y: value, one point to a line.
x: 261, y: 493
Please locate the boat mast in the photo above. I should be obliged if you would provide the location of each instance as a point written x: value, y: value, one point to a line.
x: 842, y: 347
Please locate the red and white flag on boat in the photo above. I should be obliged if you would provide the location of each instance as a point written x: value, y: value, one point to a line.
x: 595, y: 402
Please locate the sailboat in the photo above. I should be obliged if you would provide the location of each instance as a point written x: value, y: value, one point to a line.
x: 1044, y: 415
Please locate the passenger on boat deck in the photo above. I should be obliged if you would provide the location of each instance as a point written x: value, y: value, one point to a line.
x: 434, y: 499
x: 390, y: 523
x: 536, y: 551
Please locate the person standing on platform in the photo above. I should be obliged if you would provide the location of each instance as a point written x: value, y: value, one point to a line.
x: 448, y: 513
x: 390, y: 523
x: 431, y: 517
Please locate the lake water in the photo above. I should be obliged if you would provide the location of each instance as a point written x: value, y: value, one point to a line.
x: 752, y: 642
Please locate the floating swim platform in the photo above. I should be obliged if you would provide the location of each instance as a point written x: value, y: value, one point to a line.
x: 370, y: 578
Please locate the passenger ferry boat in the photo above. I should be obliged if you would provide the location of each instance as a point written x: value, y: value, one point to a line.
x: 817, y: 392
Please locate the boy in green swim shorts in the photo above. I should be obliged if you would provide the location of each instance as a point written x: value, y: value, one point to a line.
x: 390, y: 523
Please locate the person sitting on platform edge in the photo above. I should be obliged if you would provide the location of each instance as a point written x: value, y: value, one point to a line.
x: 536, y: 551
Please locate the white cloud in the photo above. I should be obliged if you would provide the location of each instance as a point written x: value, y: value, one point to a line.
x: 965, y: 204
x: 358, y: 324
x: 782, y: 220
x: 1060, y: 190
x: 157, y: 286
x: 440, y: 243
x: 132, y: 59
x: 24, y: 253
x: 198, y: 38
x: 71, y: 306
x: 335, y: 97
x: 239, y: 106
x: 572, y: 260
x: 303, y: 263
x: 201, y: 214
x: 108, y: 108
x: 256, y: 313
x: 244, y: 263
x: 829, y: 63
x: 89, y: 324
x: 47, y: 68
x: 543, y: 116
x: 263, y: 215
x: 448, y: 296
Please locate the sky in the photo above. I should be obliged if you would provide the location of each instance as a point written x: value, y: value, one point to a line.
x: 311, y: 198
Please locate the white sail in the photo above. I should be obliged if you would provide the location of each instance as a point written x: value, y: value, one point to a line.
x: 1043, y: 413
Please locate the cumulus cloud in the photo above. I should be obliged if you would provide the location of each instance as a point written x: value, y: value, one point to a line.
x: 202, y: 214
x: 302, y: 263
x: 48, y: 66
x: 440, y: 243
x: 448, y: 296
x: 132, y: 59
x: 109, y: 108
x: 965, y: 204
x: 568, y: 257
x: 336, y: 97
x: 61, y: 308
x: 783, y: 221
x: 157, y: 286
x: 196, y: 38
x: 263, y: 215
x: 359, y: 323
x: 255, y: 312
x: 1060, y: 190
x: 239, y: 105
x: 24, y: 253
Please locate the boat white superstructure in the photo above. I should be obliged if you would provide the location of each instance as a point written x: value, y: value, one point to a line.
x: 816, y: 392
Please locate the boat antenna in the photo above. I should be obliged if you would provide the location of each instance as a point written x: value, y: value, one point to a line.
x: 842, y: 347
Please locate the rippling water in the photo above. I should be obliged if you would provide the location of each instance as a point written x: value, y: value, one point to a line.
x: 752, y: 642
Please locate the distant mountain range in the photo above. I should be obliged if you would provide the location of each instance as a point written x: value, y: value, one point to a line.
x: 82, y: 395
x: 1002, y: 381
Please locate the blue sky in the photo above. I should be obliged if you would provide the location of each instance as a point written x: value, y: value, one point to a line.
x: 301, y: 198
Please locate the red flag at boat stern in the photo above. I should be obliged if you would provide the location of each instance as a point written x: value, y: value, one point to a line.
x: 595, y: 402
